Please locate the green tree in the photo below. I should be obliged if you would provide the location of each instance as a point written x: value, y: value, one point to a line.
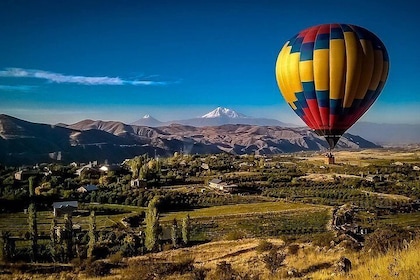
x: 53, y: 239
x: 141, y: 247
x: 33, y: 229
x: 174, y: 233
x: 186, y: 229
x: 92, y: 234
x: 7, y: 249
x: 68, y: 237
x: 135, y: 165
x: 129, y: 246
x: 144, y: 173
x: 2, y: 249
x: 152, y: 224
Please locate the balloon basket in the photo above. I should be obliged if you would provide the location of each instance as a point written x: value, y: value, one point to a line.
x: 329, y: 158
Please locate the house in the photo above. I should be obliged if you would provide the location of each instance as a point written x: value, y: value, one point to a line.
x: 87, y: 188
x: 268, y: 163
x: 137, y: 183
x: 246, y: 164
x: 229, y: 188
x: 222, y: 186
x: 214, y: 183
x: 108, y: 168
x: 64, y: 207
x: 92, y: 166
x: 23, y: 175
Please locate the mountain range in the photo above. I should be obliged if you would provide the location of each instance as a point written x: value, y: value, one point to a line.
x: 23, y: 142
x: 381, y: 134
x: 218, y: 116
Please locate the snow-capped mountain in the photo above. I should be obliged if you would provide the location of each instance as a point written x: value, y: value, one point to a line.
x: 148, y: 120
x: 221, y: 112
x: 221, y: 116
x: 216, y: 117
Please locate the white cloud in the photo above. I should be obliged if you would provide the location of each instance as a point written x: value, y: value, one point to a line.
x: 71, y: 79
x: 16, y: 88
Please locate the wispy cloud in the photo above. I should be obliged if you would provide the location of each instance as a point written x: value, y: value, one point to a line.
x: 72, y: 79
x: 23, y: 88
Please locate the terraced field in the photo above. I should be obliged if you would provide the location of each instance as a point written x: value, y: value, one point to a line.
x: 17, y: 223
x: 237, y: 209
x: 255, y: 220
x: 213, y: 223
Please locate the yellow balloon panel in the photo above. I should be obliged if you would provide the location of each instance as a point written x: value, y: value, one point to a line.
x: 353, y: 70
x: 337, y: 68
x: 321, y: 69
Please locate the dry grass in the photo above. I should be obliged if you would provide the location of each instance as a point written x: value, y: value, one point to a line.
x: 245, y: 258
x: 368, y: 156
x: 310, y: 262
x: 330, y: 177
x: 307, y: 260
x: 389, y: 196
x: 404, y: 264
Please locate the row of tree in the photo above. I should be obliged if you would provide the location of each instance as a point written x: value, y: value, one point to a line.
x: 154, y: 230
x: 64, y: 244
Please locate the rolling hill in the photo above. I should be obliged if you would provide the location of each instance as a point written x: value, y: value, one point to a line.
x: 23, y: 142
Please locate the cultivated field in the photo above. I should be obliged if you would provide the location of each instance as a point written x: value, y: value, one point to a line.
x: 369, y: 156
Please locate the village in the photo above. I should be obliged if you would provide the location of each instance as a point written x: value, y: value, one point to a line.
x: 66, y: 205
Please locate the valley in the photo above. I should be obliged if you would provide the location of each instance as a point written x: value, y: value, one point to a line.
x: 261, y: 217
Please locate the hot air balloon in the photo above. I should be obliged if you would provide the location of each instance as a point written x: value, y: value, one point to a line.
x: 330, y: 75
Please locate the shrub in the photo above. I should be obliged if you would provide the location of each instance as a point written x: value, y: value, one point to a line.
x: 98, y: 268
x: 383, y: 240
x: 116, y: 258
x: 264, y: 245
x: 183, y: 265
x: 199, y: 274
x: 224, y: 271
x: 274, y: 259
x: 151, y: 269
x: 293, y: 249
x: 100, y: 251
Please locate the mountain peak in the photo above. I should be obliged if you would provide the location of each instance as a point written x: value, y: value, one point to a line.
x: 221, y: 112
x: 148, y: 120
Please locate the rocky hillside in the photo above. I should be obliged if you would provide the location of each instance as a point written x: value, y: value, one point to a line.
x: 23, y: 142
x: 231, y: 138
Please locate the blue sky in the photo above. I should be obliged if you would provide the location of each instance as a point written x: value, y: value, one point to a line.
x: 64, y: 61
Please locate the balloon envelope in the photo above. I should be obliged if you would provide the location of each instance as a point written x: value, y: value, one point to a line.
x: 330, y: 75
